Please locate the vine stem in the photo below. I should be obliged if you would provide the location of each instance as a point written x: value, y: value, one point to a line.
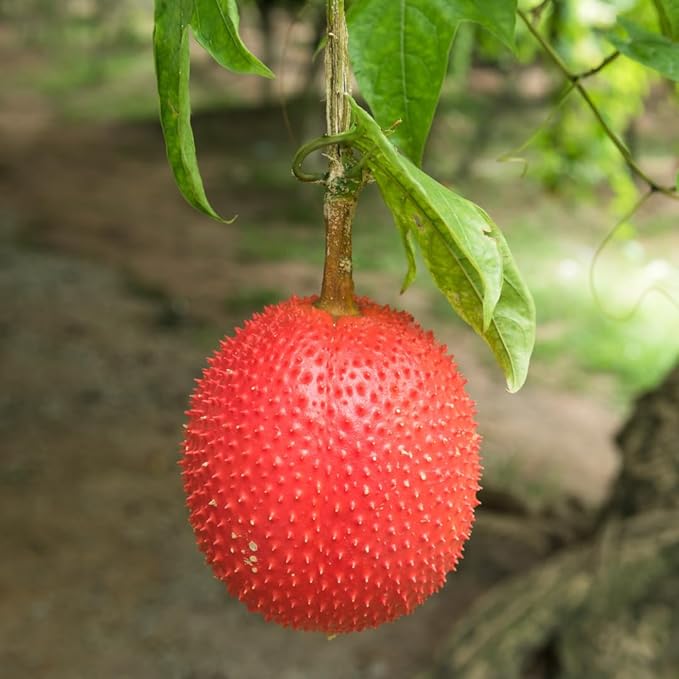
x: 341, y: 194
x: 575, y: 79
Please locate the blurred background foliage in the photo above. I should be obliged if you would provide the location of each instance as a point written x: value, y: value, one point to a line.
x: 90, y: 60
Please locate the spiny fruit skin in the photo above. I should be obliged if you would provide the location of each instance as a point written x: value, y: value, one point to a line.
x: 331, y: 465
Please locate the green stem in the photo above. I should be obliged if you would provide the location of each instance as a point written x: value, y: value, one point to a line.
x: 593, y: 71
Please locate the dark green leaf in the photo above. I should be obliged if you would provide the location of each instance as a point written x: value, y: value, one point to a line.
x: 215, y: 23
x: 400, y: 50
x: 668, y: 15
x: 651, y: 50
x: 171, y: 51
x: 463, y: 249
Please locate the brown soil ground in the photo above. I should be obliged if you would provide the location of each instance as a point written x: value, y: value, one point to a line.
x: 112, y: 292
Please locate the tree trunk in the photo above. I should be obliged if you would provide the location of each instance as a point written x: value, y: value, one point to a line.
x: 607, y: 605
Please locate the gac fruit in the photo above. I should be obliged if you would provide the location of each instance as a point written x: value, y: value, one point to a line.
x: 331, y: 465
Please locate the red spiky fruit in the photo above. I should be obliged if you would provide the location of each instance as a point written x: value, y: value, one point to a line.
x: 331, y: 465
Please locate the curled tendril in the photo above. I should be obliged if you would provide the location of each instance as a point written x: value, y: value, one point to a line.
x: 513, y: 155
x: 314, y: 145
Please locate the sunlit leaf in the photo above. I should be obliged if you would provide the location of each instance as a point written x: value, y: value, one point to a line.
x: 463, y: 249
x: 650, y: 49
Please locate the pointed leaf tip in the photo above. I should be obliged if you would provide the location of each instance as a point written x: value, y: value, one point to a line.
x: 215, y: 24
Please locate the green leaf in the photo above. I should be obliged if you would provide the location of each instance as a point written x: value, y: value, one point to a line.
x: 215, y: 23
x: 463, y: 249
x: 171, y: 51
x: 400, y: 49
x: 668, y: 15
x: 651, y: 50
x: 216, y: 26
x: 463, y: 230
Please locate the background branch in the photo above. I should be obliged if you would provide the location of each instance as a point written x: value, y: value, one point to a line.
x: 576, y: 78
